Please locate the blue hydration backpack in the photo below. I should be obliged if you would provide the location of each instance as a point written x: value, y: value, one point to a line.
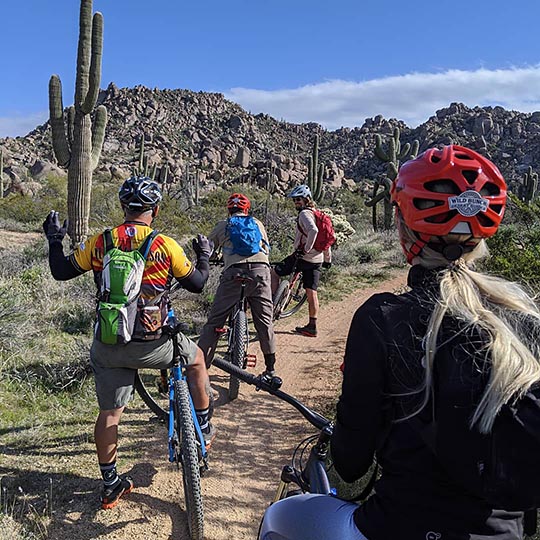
x: 245, y: 235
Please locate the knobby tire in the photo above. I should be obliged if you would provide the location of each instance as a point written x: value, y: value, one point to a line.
x: 149, y: 401
x: 296, y: 300
x: 189, y: 460
x: 239, y: 350
x: 279, y: 299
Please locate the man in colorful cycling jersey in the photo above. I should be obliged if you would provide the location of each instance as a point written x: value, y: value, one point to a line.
x: 309, y: 259
x: 115, y: 366
x: 252, y: 262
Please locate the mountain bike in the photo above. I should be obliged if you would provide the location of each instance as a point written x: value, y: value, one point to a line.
x: 238, y: 336
x: 301, y: 475
x: 186, y: 443
x: 290, y: 295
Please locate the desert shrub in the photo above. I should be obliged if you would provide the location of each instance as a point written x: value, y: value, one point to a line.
x: 515, y: 249
x: 26, y: 209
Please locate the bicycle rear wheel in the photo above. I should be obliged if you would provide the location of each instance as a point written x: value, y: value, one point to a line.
x: 296, y: 300
x: 151, y: 398
x: 279, y: 299
x: 239, y: 350
x: 188, y: 456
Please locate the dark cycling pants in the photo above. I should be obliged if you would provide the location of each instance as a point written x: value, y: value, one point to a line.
x: 259, y: 296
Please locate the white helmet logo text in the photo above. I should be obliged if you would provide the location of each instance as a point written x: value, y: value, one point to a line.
x: 469, y: 203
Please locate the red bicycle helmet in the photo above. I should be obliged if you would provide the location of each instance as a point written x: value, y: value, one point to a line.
x: 240, y: 201
x: 453, y: 190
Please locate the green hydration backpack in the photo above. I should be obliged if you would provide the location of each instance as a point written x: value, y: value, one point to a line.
x: 119, y: 290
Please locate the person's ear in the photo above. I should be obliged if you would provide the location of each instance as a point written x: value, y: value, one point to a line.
x: 155, y: 211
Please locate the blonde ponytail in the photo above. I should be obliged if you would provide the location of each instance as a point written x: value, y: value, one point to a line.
x: 494, y: 307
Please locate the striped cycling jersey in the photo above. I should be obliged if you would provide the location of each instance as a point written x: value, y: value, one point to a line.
x: 166, y: 259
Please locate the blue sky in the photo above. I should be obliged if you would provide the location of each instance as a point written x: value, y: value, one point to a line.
x: 332, y: 62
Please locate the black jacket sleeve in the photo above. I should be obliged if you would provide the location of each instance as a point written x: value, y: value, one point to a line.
x: 62, y: 267
x: 360, y: 420
x: 195, y: 281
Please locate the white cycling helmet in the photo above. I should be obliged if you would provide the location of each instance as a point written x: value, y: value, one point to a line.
x: 300, y: 191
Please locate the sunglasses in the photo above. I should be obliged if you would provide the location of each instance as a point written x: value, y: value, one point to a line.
x: 298, y: 199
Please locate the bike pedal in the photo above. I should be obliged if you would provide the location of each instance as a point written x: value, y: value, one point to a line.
x: 251, y: 360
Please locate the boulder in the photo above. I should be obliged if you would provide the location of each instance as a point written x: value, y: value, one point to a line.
x: 41, y: 169
x: 242, y: 157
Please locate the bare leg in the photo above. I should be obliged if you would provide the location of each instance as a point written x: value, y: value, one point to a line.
x: 106, y: 434
x: 197, y: 376
x: 313, y: 303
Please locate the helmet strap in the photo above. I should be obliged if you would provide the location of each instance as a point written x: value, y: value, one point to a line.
x: 417, y: 247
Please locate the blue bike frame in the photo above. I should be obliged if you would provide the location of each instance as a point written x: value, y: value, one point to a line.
x: 178, y: 375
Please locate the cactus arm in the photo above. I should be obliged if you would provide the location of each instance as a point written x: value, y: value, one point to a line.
x: 94, y: 75
x: 98, y: 134
x: 392, y: 149
x: 70, y: 124
x: 83, y: 52
x: 392, y: 170
x: 405, y: 151
x: 380, y: 153
x: 1, y: 174
x: 56, y: 115
x: 414, y: 149
x: 319, y: 184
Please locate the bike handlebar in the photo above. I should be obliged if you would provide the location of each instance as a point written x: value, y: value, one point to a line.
x: 269, y: 386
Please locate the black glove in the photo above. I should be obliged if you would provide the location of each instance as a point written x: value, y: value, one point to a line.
x: 327, y: 264
x: 52, y: 229
x: 202, y: 246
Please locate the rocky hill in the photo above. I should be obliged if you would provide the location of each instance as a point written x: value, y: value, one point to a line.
x: 204, y: 132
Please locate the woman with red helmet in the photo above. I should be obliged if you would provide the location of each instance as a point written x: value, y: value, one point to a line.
x: 432, y: 374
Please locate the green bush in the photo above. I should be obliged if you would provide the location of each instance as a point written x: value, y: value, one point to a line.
x: 27, y: 209
x: 515, y: 249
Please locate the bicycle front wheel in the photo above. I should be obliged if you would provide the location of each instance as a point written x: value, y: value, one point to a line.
x: 239, y: 350
x: 279, y: 299
x: 296, y: 300
x: 189, y: 460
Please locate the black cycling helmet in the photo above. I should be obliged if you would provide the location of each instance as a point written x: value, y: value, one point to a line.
x: 140, y: 193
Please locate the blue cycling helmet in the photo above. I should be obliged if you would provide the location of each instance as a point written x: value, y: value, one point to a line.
x: 300, y: 191
x: 140, y: 193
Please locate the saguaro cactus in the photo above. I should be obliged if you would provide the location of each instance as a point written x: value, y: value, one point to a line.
x: 1, y: 174
x: 315, y: 172
x: 528, y: 189
x: 77, y: 145
x: 393, y: 156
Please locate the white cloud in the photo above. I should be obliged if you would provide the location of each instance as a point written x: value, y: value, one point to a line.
x: 18, y: 124
x: 412, y: 98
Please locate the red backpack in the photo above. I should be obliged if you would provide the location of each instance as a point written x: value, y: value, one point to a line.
x: 326, y: 236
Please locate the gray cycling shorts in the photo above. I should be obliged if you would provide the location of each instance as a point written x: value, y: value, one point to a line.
x: 310, y: 517
x: 114, y: 366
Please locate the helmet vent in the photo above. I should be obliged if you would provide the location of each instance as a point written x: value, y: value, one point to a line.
x: 435, y: 159
x: 424, y: 204
x: 442, y: 218
x: 470, y: 176
x: 442, y: 185
x: 490, y: 189
x: 484, y: 220
x: 463, y: 156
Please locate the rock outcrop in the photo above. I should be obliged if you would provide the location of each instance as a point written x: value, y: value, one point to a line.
x: 205, y: 132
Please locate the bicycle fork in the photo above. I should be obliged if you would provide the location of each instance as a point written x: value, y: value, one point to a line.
x: 174, y: 442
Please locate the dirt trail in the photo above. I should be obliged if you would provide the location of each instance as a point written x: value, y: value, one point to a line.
x: 256, y: 437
